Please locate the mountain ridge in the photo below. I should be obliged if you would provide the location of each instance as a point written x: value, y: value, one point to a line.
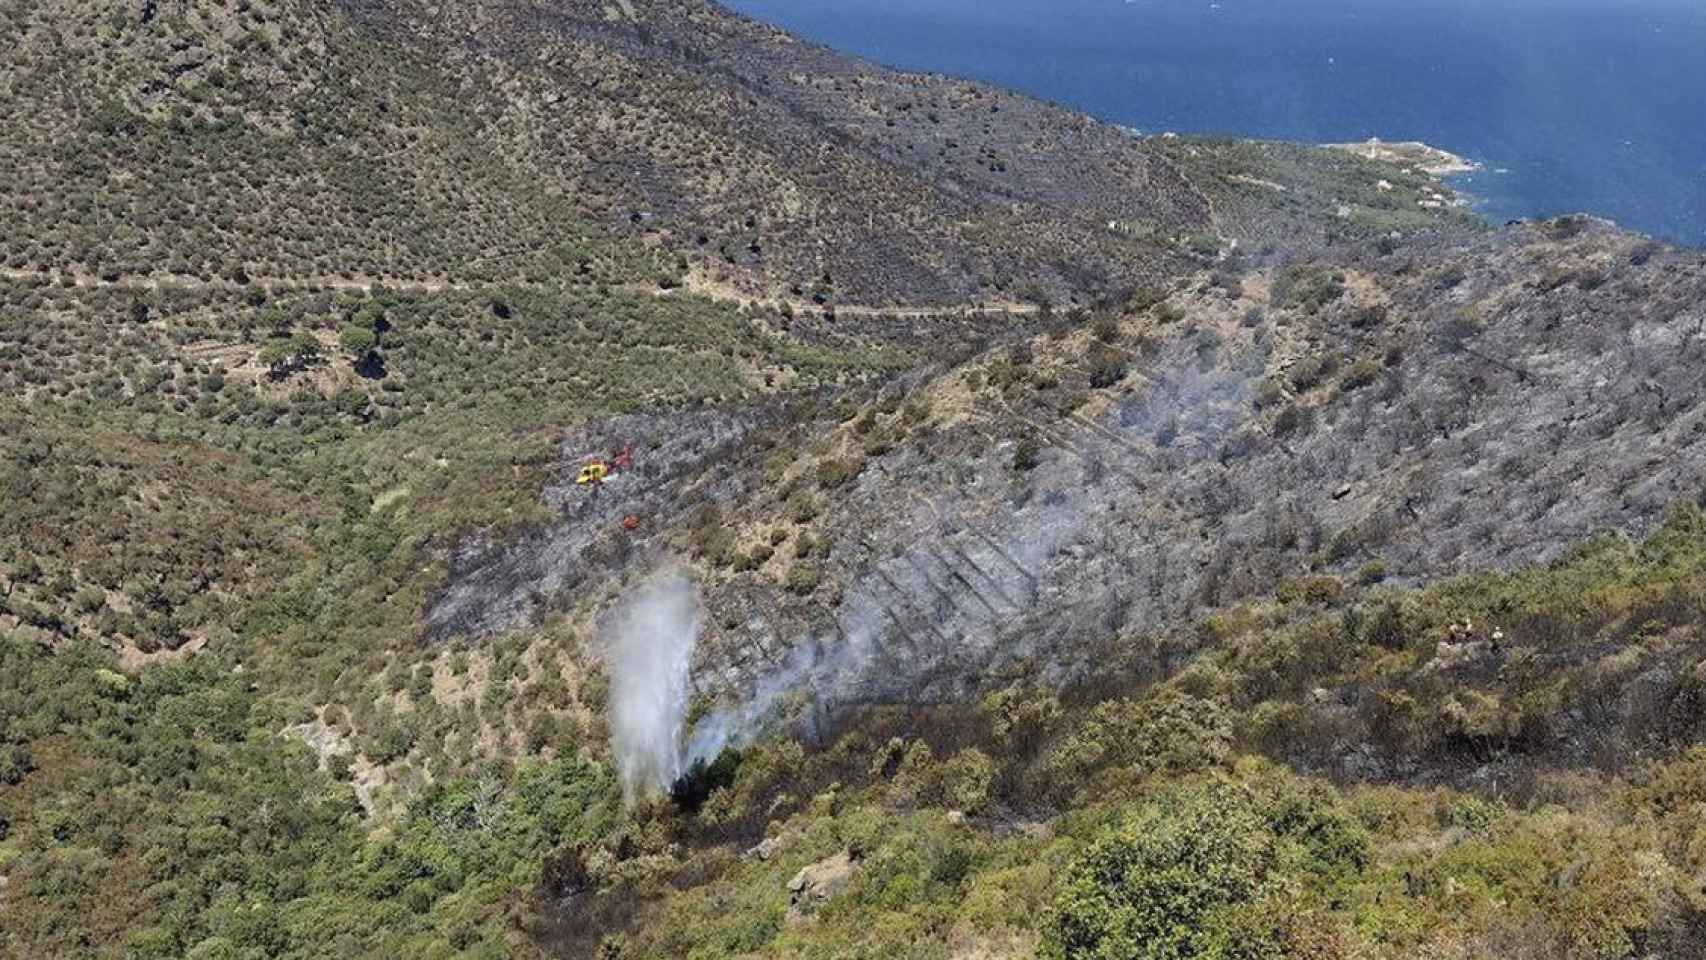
x: 1054, y: 500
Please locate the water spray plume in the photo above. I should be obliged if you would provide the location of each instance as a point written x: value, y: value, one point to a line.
x: 650, y: 657
x: 867, y: 656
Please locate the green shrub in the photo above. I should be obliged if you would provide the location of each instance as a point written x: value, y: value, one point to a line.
x: 966, y: 779
x: 1309, y: 372
x: 1143, y: 298
x: 1371, y: 572
x: 917, y: 780
x: 1229, y: 282
x: 1294, y: 419
x: 802, y: 579
x: 1315, y: 589
x: 951, y: 865
x: 1027, y: 453
x: 1166, y: 731
x: 1203, y: 244
x: 396, y: 737
x: 1364, y: 318
x: 338, y: 767
x: 594, y: 692
x: 803, y: 507
x: 16, y: 763
x: 1107, y: 367
x: 805, y: 546
x: 90, y: 599
x: 834, y: 474
x: 1471, y: 813
x: 1308, y: 288
x: 1156, y: 886
x: 1274, y: 725
x: 1020, y: 721
x: 1361, y: 374
x: 754, y: 558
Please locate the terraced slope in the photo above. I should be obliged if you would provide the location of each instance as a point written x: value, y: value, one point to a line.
x: 1386, y: 416
x: 570, y: 143
x: 1047, y: 489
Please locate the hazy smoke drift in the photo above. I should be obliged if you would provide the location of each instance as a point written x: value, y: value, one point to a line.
x: 649, y: 664
x: 868, y: 656
x: 891, y: 639
x: 734, y: 727
x: 825, y: 670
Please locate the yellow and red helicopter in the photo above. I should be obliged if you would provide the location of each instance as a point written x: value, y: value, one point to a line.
x: 599, y: 469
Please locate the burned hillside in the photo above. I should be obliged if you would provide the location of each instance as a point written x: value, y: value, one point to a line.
x: 604, y: 477
x: 1378, y: 418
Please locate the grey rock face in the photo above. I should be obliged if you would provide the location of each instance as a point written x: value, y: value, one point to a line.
x: 818, y: 884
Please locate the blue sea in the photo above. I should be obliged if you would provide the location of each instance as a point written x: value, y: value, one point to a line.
x: 1594, y: 106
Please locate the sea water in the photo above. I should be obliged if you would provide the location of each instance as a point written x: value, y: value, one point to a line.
x: 1595, y: 106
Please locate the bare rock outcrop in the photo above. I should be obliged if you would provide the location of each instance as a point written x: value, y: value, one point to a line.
x: 819, y: 883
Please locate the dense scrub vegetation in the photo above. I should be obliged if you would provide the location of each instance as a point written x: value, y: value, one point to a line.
x: 1336, y: 769
x: 302, y: 306
x: 220, y: 734
x: 163, y: 814
x: 492, y: 142
x: 266, y: 140
x: 1149, y: 819
x: 1140, y: 817
x: 189, y: 461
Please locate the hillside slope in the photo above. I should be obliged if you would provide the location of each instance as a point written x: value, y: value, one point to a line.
x: 1417, y: 413
x: 509, y: 141
x: 1045, y: 491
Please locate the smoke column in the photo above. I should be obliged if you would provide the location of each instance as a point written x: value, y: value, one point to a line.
x: 871, y: 655
x: 734, y: 727
x: 649, y: 662
x: 819, y: 667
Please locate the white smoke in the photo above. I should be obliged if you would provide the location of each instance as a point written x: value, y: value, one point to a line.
x: 737, y: 726
x: 823, y: 670
x: 871, y: 652
x: 649, y: 662
x: 732, y: 727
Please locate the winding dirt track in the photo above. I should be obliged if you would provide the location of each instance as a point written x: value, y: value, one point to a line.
x: 362, y: 285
